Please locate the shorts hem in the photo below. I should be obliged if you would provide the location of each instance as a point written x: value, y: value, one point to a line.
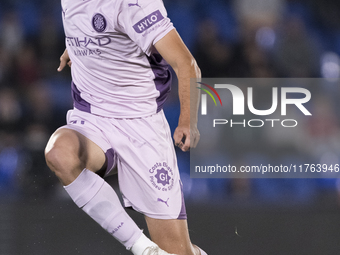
x: 155, y: 215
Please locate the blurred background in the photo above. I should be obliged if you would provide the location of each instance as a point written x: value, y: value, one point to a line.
x: 228, y: 38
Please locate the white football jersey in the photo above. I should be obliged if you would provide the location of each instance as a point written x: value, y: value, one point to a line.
x: 116, y: 70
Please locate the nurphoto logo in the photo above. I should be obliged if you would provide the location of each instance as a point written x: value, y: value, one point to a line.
x: 300, y: 97
x: 204, y: 97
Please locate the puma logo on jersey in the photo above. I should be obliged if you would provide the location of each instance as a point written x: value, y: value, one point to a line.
x: 148, y: 21
x: 136, y: 4
x: 165, y: 202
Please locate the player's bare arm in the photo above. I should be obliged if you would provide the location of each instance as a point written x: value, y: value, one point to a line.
x: 174, y: 51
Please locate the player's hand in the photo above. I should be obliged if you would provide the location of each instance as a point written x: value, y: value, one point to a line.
x: 64, y: 60
x: 186, y: 137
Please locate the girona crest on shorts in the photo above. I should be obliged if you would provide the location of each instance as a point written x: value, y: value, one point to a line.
x: 162, y: 176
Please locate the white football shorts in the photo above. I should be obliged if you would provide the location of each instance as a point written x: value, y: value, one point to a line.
x: 143, y: 151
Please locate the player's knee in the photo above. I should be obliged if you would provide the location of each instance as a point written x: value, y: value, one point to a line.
x: 54, y: 158
x: 61, y: 157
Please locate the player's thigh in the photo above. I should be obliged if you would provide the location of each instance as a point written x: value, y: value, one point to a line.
x: 70, y: 149
x: 171, y: 235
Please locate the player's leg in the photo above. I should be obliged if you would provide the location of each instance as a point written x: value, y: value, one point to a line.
x: 172, y: 236
x: 68, y: 152
x: 150, y: 182
x: 74, y: 159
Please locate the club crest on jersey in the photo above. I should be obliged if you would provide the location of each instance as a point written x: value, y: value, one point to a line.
x: 99, y: 22
x: 148, y: 22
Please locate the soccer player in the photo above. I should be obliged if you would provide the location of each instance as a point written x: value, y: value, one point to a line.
x: 119, y: 50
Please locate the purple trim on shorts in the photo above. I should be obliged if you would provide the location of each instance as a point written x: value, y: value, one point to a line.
x: 78, y: 102
x: 183, y: 212
x: 162, y: 79
x: 110, y: 154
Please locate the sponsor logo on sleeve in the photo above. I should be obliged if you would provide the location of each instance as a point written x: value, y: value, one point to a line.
x: 148, y: 21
